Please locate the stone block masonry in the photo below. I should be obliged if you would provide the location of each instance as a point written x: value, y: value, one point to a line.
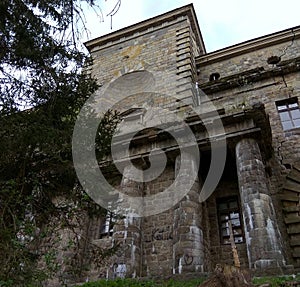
x: 161, y: 63
x: 263, y: 238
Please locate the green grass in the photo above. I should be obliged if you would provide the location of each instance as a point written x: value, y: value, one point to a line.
x: 274, y: 281
x: 143, y: 283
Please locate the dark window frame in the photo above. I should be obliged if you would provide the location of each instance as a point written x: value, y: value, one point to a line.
x: 289, y: 113
x: 107, y: 225
x: 229, y: 209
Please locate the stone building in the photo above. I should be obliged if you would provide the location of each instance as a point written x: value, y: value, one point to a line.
x: 242, y: 104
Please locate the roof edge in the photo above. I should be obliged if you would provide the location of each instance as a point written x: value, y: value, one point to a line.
x: 250, y: 45
x: 132, y: 29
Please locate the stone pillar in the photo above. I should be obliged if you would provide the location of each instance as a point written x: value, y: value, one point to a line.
x: 127, y: 231
x: 262, y: 235
x: 188, y: 252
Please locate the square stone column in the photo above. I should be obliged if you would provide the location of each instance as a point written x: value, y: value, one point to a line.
x: 263, y: 238
x: 127, y: 231
x: 188, y: 235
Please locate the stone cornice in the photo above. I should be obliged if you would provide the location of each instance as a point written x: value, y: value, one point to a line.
x: 144, y: 26
x: 251, y: 76
x: 255, y: 124
x: 249, y: 46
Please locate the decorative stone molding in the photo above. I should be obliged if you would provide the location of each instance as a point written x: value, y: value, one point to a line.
x: 291, y: 209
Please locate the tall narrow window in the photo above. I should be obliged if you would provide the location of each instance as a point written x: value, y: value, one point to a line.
x: 106, y: 228
x: 289, y: 113
x: 228, y: 210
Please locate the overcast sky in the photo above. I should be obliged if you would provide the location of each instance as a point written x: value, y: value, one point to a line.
x: 222, y: 22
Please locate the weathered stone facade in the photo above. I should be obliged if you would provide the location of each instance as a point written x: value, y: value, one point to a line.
x: 161, y: 65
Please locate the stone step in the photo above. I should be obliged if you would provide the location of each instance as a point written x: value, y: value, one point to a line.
x: 296, y: 254
x: 290, y: 209
x: 297, y: 166
x: 294, y: 175
x: 295, y: 242
x: 293, y: 229
x: 286, y: 197
x: 292, y: 185
x: 292, y: 219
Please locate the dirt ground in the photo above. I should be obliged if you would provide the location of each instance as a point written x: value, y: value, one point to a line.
x: 228, y: 276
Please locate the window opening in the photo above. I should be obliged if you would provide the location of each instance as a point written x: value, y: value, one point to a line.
x: 289, y: 113
x: 106, y: 228
x: 214, y: 77
x: 228, y: 210
x: 119, y: 270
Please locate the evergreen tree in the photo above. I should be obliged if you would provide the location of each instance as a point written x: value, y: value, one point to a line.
x: 42, y: 89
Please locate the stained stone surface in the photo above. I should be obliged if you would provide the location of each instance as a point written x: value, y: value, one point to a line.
x: 162, y: 64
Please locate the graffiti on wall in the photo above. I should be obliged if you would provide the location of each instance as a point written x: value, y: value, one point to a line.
x: 162, y: 233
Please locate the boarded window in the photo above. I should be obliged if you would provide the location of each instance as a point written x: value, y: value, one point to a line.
x: 228, y: 210
x: 106, y: 228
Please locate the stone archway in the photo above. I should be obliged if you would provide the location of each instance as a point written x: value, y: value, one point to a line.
x: 291, y: 209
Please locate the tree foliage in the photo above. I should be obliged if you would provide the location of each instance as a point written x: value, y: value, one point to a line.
x: 42, y: 89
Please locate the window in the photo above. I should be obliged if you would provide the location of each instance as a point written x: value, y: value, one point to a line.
x: 289, y: 113
x: 106, y: 228
x: 228, y: 209
x: 133, y: 114
x: 119, y: 270
x: 214, y: 77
